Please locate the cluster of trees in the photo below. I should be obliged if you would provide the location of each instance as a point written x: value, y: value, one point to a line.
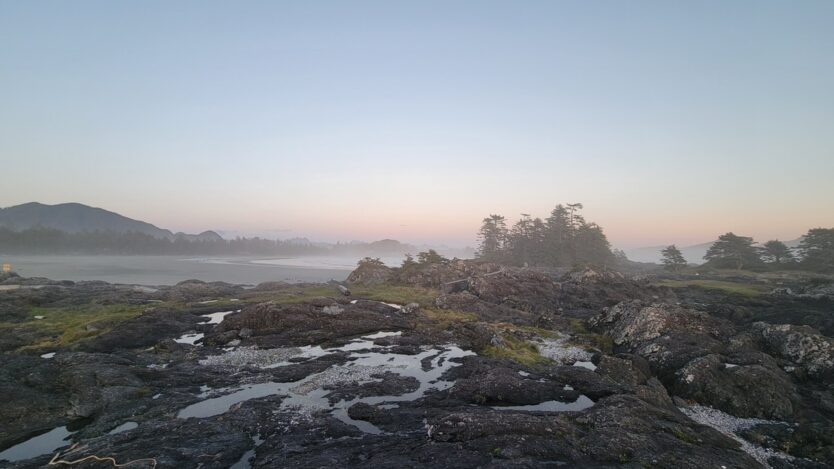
x: 815, y: 252
x: 50, y: 241
x: 561, y: 240
x: 423, y: 258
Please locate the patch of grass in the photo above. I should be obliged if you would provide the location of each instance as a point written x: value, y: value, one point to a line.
x: 744, y: 289
x: 518, y: 350
x: 68, y: 325
x: 443, y: 319
x: 584, y: 338
x: 577, y: 326
x: 602, y: 342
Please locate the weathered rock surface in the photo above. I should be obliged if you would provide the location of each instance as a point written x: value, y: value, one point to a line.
x: 760, y: 390
x: 373, y: 384
x: 802, y: 345
x: 371, y: 274
x: 668, y: 336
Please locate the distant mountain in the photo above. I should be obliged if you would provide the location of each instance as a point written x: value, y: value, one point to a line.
x: 80, y: 218
x: 693, y: 254
x: 204, y: 236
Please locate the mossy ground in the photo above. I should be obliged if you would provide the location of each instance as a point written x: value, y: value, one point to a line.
x: 68, y: 325
x: 65, y: 326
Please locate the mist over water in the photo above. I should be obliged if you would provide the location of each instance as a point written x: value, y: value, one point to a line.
x: 169, y: 270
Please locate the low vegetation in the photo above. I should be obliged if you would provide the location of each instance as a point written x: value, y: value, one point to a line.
x: 744, y: 289
x: 68, y: 325
x: 517, y: 350
x: 582, y: 337
x: 443, y: 319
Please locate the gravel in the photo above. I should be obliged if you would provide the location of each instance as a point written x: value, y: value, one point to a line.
x: 558, y: 351
x: 251, y: 356
x: 729, y: 425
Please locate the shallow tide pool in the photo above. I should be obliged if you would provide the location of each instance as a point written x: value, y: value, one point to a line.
x: 38, y: 445
x: 309, y: 394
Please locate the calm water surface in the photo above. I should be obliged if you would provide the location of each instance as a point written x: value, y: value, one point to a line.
x: 168, y: 270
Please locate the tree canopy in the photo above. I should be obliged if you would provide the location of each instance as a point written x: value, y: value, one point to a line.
x: 493, y: 237
x: 817, y: 249
x: 562, y: 239
x: 776, y: 252
x: 732, y: 251
x: 672, y: 258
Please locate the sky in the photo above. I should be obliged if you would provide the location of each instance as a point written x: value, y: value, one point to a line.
x: 672, y: 122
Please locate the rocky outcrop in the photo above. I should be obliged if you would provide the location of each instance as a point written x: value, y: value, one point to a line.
x: 194, y: 290
x: 272, y: 325
x: 33, y: 400
x: 655, y: 437
x: 688, y: 350
x: 584, y: 293
x: 668, y: 336
x: 801, y: 345
x: 96, y: 382
x: 143, y: 331
x: 371, y: 274
x: 759, y: 390
x: 466, y: 382
x: 520, y: 289
x: 439, y: 275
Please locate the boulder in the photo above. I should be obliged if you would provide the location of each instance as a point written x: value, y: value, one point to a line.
x: 759, y: 390
x: 371, y: 274
x: 584, y: 293
x: 801, y: 345
x: 668, y: 336
x: 521, y: 289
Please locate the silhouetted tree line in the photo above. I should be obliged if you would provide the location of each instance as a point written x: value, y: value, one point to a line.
x: 563, y: 239
x: 815, y: 253
x: 50, y: 241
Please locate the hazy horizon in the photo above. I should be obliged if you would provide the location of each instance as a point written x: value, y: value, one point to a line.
x: 671, y: 123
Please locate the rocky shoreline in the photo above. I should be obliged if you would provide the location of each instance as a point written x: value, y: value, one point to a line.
x: 459, y: 364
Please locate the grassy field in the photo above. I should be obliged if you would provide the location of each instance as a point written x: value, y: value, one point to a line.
x: 745, y: 289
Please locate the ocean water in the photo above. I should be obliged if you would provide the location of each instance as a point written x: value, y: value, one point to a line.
x: 168, y: 270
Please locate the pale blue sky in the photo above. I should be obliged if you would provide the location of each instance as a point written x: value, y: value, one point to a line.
x: 670, y: 121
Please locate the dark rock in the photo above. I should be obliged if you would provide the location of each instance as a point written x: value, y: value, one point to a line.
x: 143, y: 331
x: 801, y: 345
x: 370, y: 274
x: 388, y: 384
x: 668, y: 336
x: 755, y: 390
